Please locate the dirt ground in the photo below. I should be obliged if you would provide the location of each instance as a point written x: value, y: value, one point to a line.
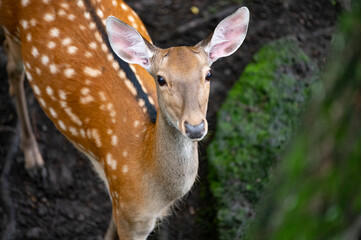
x: 68, y: 201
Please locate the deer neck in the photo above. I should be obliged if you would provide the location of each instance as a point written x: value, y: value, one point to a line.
x: 176, y: 159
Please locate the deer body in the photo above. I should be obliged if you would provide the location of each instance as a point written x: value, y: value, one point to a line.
x: 94, y: 78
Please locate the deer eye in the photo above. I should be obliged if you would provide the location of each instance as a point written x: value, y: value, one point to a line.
x: 161, y: 81
x: 209, y: 75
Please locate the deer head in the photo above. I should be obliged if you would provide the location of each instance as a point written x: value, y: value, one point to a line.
x: 182, y: 74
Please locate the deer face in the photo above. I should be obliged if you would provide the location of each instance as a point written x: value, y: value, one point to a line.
x: 182, y: 74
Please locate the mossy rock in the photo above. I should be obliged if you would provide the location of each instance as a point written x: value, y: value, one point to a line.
x: 254, y: 124
x: 315, y: 192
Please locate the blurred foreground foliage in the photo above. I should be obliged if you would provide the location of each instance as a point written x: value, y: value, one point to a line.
x: 257, y: 118
x: 316, y: 191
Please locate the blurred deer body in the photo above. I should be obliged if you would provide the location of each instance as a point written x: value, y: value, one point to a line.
x: 95, y: 79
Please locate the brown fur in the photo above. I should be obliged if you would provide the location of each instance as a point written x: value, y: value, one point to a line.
x: 146, y: 166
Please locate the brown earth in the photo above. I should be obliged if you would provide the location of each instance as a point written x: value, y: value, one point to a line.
x: 68, y: 201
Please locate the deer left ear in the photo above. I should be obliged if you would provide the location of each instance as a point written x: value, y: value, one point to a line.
x: 128, y: 44
x: 228, y: 36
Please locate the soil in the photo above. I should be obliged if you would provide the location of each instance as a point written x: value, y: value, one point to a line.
x: 67, y: 200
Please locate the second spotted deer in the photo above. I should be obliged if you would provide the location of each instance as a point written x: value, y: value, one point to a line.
x: 135, y: 110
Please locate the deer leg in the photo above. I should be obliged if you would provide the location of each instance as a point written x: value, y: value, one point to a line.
x: 134, y: 229
x: 16, y: 78
x: 111, y: 233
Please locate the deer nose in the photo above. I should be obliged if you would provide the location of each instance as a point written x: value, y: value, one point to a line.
x: 195, y: 132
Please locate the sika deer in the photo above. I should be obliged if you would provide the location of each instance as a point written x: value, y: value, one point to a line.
x: 94, y: 78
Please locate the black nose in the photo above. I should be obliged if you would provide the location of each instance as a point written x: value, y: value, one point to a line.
x: 195, y: 132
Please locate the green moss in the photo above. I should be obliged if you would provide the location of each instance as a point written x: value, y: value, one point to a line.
x: 315, y: 192
x: 253, y: 125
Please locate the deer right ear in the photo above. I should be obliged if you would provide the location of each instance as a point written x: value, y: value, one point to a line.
x: 128, y: 44
x: 227, y: 37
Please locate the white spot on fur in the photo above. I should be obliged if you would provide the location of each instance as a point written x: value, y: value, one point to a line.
x: 109, y: 106
x: 54, y: 32
x: 141, y: 103
x: 91, y: 72
x: 131, y: 18
x: 121, y: 74
x: 42, y: 102
x: 66, y: 41
x: 93, y: 45
x: 53, y: 68
x: 98, y: 37
x: 45, y: 59
x: 63, y: 104
x: 80, y: 4
x: 27, y: 65
x: 73, y: 131
x: 111, y: 162
x: 92, y: 26
x: 114, y: 3
x: 114, y: 140
x: 86, y: 99
x: 25, y: 3
x: 51, y: 44
x: 28, y: 76
x: 130, y: 86
x: 72, y: 49
x: 125, y: 169
x: 73, y: 117
x: 62, y: 125
x: 112, y: 113
x: 125, y: 7
x: 82, y: 132
x: 62, y: 12
x: 49, y: 91
x: 136, y: 123
x: 64, y: 5
x: 115, y: 65
x: 36, y: 89
x: 62, y: 94
x: 71, y: 17
x: 89, y: 133
x: 24, y: 24
x: 87, y: 15
x: 151, y: 100
x: 102, y: 96
x: 69, y: 72
x: 84, y: 91
x: 88, y: 54
x: 100, y: 13
x: 32, y: 22
x: 96, y: 137
x: 109, y: 131
x: 28, y: 37
x: 110, y: 57
x: 53, y: 113
x: 104, y: 47
x: 125, y: 154
x: 34, y: 52
x: 38, y: 71
x: 49, y: 17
